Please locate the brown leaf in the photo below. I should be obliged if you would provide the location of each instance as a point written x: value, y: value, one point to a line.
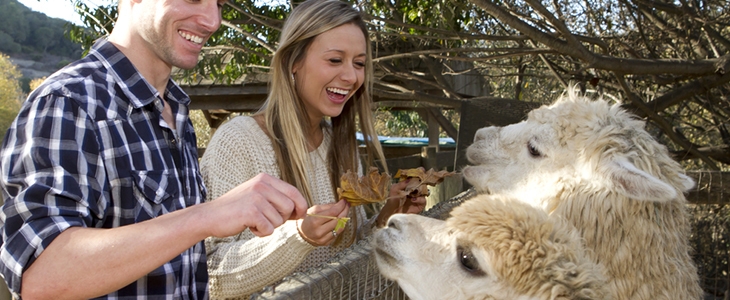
x: 420, y: 179
x: 371, y: 188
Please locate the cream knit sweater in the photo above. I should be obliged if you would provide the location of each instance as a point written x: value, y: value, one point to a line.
x: 243, y: 264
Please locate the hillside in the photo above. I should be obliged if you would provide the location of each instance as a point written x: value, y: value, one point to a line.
x: 35, y: 43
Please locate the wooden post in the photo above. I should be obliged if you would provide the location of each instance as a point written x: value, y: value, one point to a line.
x: 451, y: 186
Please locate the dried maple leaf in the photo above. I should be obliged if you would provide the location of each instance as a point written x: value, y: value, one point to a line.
x: 420, y: 180
x: 417, y: 185
x: 371, y: 188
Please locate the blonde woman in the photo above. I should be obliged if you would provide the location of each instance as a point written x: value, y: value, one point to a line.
x: 305, y: 134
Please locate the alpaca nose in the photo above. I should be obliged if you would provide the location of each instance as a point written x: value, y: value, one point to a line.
x: 395, y: 222
x: 484, y: 133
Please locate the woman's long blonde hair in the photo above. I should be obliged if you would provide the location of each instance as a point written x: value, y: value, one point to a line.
x: 285, y: 113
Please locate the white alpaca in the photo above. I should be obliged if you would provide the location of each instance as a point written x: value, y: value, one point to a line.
x: 594, y: 165
x: 490, y: 248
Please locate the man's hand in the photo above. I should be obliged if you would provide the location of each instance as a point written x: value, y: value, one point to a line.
x: 260, y: 204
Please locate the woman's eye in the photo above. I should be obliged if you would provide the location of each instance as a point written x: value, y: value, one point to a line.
x: 533, y: 151
x: 335, y: 60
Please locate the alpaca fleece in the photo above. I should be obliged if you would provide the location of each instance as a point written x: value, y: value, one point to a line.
x: 594, y: 165
x: 491, y: 247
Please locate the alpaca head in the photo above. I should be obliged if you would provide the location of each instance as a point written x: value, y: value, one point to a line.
x: 490, y: 248
x: 575, y: 141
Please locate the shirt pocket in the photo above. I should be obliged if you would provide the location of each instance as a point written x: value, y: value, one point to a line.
x: 155, y: 193
x: 155, y: 186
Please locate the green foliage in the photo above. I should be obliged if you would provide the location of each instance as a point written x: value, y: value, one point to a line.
x: 7, y: 44
x: 26, y: 31
x: 202, y: 130
x: 97, y: 22
x: 44, y: 36
x: 35, y: 83
x: 10, y: 93
x: 400, y: 123
x: 25, y: 84
x: 62, y: 64
x: 407, y: 123
x: 12, y: 20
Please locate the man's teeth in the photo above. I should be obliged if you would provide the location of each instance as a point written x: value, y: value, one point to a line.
x: 193, y: 38
x: 338, y: 91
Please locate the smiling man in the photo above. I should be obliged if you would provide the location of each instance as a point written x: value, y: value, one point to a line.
x: 102, y: 191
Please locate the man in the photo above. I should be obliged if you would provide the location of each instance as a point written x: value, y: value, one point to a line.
x: 100, y: 176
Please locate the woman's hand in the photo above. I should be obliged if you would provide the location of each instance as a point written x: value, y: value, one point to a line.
x: 320, y: 231
x: 411, y: 205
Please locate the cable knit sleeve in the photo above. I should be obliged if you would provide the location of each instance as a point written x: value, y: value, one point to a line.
x: 243, y: 264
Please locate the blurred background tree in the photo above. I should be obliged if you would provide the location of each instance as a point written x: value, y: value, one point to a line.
x: 10, y: 93
x: 25, y: 31
x: 667, y: 61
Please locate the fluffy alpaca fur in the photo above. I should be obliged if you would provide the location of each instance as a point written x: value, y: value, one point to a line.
x: 593, y: 164
x: 490, y: 248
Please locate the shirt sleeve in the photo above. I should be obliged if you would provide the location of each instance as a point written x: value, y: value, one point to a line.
x: 243, y: 264
x: 50, y: 169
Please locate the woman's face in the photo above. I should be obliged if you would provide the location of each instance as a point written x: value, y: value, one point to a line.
x: 331, y: 71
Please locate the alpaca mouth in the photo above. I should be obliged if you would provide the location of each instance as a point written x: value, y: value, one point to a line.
x: 474, y: 176
x: 386, y: 257
x: 483, y: 190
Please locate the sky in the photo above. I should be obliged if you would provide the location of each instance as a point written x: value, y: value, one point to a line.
x: 61, y: 9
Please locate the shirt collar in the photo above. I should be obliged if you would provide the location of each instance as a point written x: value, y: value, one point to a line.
x: 134, y: 85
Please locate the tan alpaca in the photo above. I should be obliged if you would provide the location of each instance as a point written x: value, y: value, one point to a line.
x: 490, y: 248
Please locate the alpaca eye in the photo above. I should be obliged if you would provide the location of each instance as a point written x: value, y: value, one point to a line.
x: 468, y: 261
x: 533, y: 151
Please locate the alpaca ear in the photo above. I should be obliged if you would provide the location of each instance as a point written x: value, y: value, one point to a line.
x: 637, y: 184
x: 687, y: 182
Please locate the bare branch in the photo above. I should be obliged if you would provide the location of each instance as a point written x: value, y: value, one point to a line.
x: 276, y: 24
x: 685, y: 92
x: 249, y: 35
x: 663, y: 124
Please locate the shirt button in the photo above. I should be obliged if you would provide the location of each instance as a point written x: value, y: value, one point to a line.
x: 172, y: 141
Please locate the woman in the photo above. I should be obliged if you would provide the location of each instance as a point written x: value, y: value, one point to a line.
x: 304, y: 134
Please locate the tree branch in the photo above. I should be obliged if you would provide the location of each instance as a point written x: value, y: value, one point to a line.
x: 685, y: 92
x: 248, y: 35
x: 663, y: 124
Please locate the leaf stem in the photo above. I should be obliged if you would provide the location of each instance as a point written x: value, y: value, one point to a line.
x: 327, y: 217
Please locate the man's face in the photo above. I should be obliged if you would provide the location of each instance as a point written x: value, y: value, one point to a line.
x: 176, y: 30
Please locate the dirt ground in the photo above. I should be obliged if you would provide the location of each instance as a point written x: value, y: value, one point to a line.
x: 32, y: 67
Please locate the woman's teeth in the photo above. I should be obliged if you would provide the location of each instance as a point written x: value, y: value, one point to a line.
x: 337, y: 91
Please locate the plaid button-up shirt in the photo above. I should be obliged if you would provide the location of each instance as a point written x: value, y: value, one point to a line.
x: 89, y: 148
